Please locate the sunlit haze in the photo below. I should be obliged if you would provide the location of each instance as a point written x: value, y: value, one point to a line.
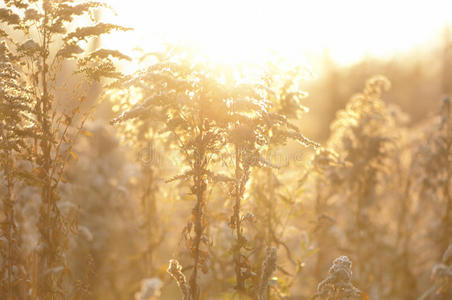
x: 249, y: 31
x: 225, y: 150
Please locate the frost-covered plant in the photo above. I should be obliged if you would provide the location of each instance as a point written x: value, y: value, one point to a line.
x: 184, y: 100
x: 363, y: 135
x: 433, y: 171
x: 39, y: 37
x: 286, y: 100
x: 206, y: 113
x: 258, y: 122
x: 16, y: 126
x: 264, y: 128
x: 175, y: 270
x: 338, y: 284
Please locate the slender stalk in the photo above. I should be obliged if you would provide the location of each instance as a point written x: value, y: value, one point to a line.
x: 321, y: 239
x: 199, y: 188
x: 9, y: 226
x: 269, y: 205
x: 236, y: 216
x: 447, y: 217
x: 48, y: 211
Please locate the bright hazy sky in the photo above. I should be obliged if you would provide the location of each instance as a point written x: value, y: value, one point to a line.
x: 237, y: 31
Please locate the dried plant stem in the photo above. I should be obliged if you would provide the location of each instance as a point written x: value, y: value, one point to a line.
x: 322, y: 235
x: 175, y: 270
x: 240, y: 284
x: 268, y: 267
x: 269, y: 205
x: 338, y: 283
x: 48, y: 222
x: 448, y: 214
x: 8, y: 228
x: 199, y: 188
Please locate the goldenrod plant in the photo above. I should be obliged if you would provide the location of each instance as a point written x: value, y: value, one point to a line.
x: 38, y: 40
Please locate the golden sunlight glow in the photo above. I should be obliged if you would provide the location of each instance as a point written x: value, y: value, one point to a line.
x: 249, y: 31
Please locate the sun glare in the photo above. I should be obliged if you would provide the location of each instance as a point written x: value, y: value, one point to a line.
x: 249, y: 31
